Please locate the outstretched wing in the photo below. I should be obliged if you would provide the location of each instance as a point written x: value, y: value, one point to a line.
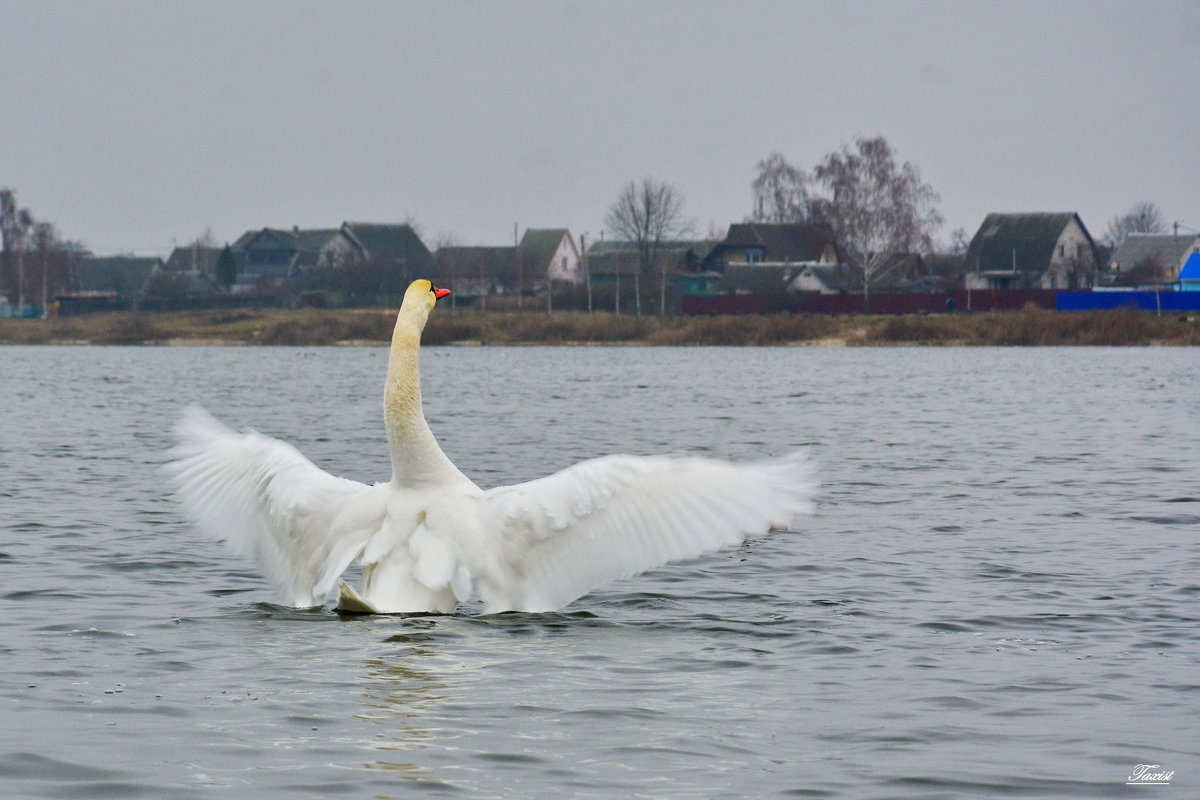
x: 558, y: 537
x: 266, y: 500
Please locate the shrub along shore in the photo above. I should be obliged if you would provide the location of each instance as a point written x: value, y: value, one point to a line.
x: 310, y: 327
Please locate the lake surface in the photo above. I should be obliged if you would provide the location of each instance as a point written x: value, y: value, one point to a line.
x: 998, y: 595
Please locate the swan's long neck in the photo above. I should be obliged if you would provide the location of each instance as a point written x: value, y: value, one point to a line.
x: 416, y: 457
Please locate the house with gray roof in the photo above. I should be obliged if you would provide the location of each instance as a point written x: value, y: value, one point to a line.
x: 477, y: 271
x: 359, y: 258
x: 776, y: 258
x: 543, y: 256
x: 274, y: 255
x: 395, y: 249
x: 1148, y: 258
x: 771, y: 243
x: 125, y: 275
x: 609, y: 258
x: 193, y: 258
x: 1031, y: 251
x: 822, y: 279
x: 549, y: 255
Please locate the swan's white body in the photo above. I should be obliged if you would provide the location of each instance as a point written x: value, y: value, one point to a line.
x: 430, y: 538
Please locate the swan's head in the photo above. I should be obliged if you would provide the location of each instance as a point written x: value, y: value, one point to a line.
x: 421, y: 296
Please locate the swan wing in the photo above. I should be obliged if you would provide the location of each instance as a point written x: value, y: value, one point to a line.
x: 266, y: 500
x: 556, y: 538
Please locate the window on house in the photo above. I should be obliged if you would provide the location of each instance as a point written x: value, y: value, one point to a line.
x: 754, y: 256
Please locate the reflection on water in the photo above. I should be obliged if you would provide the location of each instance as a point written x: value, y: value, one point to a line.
x: 399, y: 692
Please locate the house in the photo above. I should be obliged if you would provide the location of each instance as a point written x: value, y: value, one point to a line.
x: 477, y: 271
x: 271, y: 256
x: 613, y: 261
x: 177, y: 285
x: 543, y: 256
x: 358, y: 258
x: 769, y: 243
x: 394, y: 251
x: 193, y: 258
x: 1031, y: 251
x: 188, y: 273
x: 1189, y: 275
x: 775, y: 258
x: 1148, y: 258
x: 821, y: 278
x: 549, y: 255
x: 125, y: 275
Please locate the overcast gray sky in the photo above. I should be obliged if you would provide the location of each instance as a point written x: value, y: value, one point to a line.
x: 134, y: 125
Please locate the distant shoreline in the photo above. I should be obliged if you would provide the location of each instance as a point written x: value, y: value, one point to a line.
x: 373, y: 327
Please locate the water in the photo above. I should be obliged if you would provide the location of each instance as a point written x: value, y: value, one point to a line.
x: 996, y: 598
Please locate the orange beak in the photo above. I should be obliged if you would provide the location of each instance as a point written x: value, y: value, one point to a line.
x: 438, y: 294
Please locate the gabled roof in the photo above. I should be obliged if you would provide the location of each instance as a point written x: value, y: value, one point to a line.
x: 306, y: 240
x: 780, y: 242
x: 395, y: 243
x: 123, y: 274
x: 539, y: 245
x: 1031, y: 235
x: 833, y: 277
x: 1163, y: 249
x: 186, y: 259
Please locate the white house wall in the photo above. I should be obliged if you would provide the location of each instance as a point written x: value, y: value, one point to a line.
x: 565, y: 266
x: 1072, y: 246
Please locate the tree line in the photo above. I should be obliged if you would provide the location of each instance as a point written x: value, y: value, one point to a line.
x: 878, y: 208
x: 36, y: 263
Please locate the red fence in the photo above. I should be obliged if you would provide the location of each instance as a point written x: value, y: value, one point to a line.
x: 813, y: 303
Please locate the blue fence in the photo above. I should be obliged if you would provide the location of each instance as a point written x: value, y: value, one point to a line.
x: 1147, y: 301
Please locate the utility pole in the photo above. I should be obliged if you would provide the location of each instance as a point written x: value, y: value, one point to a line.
x: 519, y: 256
x: 587, y: 273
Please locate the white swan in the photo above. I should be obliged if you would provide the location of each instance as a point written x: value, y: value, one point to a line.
x: 429, y: 538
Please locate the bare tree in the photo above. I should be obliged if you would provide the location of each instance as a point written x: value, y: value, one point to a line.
x: 647, y: 214
x: 879, y: 210
x: 781, y: 192
x: 1144, y: 217
x: 15, y: 226
x: 960, y: 241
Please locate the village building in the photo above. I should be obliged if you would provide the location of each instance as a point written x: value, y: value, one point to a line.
x: 774, y: 258
x: 127, y: 276
x: 1031, y: 251
x: 271, y: 256
x: 358, y: 259
x: 1148, y: 258
x: 477, y: 271
x: 550, y: 256
x: 544, y: 257
x: 193, y: 258
x: 614, y: 261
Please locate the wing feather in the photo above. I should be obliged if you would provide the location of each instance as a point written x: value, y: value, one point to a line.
x: 266, y: 500
x: 561, y: 536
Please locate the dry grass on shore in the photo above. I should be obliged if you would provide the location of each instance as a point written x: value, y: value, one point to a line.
x: 309, y: 327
